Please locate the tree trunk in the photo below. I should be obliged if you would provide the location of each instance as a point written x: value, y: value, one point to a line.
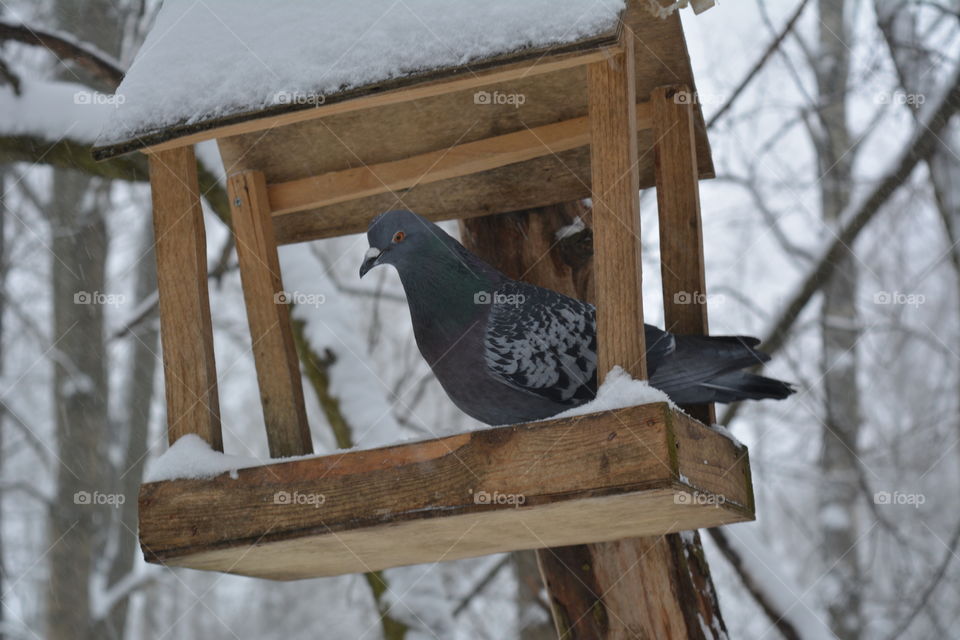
x: 3, y: 308
x: 840, y: 326
x: 79, y: 246
x: 133, y: 429
x: 533, y: 623
x: 593, y: 587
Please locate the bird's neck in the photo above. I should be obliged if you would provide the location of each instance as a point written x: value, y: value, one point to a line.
x: 447, y: 298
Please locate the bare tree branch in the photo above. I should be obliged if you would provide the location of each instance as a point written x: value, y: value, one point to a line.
x: 923, y: 144
x: 481, y: 585
x: 65, y: 47
x: 921, y: 604
x: 777, y: 619
x: 747, y: 79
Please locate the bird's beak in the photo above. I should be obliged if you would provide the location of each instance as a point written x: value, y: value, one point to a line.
x: 370, y: 260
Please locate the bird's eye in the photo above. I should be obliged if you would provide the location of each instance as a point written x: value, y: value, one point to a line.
x: 399, y: 236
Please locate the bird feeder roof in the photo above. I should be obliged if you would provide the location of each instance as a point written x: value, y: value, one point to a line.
x: 213, y: 63
x: 451, y: 108
x: 223, y: 60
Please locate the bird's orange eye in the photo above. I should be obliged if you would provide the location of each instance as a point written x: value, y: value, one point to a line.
x: 399, y: 236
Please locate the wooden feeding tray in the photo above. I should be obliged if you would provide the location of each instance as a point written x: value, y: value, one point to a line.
x: 644, y: 470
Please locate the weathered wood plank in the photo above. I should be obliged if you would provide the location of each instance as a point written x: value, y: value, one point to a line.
x: 547, y: 180
x: 616, y: 213
x: 268, y: 314
x: 681, y: 228
x: 596, y: 477
x: 452, y: 162
x: 406, y: 90
x: 190, y: 372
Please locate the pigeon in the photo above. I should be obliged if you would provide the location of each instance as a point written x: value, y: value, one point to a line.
x: 507, y: 351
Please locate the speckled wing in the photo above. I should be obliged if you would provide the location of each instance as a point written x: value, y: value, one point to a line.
x: 542, y: 342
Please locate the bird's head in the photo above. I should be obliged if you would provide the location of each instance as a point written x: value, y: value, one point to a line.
x: 397, y: 237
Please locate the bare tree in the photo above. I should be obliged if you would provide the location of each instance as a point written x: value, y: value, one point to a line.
x: 78, y: 244
x: 840, y: 329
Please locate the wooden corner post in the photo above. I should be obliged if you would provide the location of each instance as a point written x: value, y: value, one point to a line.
x: 190, y: 373
x: 656, y: 587
x: 268, y: 314
x: 681, y: 229
x: 611, y: 89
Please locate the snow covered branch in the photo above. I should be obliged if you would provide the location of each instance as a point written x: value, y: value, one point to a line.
x: 66, y: 47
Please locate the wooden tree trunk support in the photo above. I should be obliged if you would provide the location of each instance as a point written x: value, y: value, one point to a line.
x: 658, y: 587
x: 190, y: 372
x: 644, y: 571
x: 268, y: 314
x: 681, y: 229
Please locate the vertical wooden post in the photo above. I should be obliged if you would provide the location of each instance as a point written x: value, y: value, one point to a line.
x: 268, y: 314
x: 657, y: 587
x: 681, y: 229
x: 190, y: 372
x: 611, y: 90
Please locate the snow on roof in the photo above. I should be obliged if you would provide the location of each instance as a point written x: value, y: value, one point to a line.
x: 207, y: 59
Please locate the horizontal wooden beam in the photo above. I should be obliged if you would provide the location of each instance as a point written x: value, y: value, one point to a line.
x: 423, y: 89
x: 454, y: 162
x: 644, y: 470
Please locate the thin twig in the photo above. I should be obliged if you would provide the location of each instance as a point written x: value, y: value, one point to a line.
x: 747, y: 79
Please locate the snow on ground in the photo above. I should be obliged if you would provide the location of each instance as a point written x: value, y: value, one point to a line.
x: 54, y: 110
x: 618, y: 391
x: 244, y: 55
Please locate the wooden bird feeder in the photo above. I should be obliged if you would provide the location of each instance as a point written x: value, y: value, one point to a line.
x: 602, y: 117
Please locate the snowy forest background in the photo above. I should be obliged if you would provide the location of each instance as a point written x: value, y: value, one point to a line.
x: 818, y: 114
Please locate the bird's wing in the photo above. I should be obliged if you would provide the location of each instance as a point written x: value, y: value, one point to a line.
x: 542, y: 342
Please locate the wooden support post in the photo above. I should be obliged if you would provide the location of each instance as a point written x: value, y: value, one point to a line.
x: 190, y: 373
x: 656, y: 587
x: 681, y: 229
x: 268, y: 313
x: 611, y: 88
